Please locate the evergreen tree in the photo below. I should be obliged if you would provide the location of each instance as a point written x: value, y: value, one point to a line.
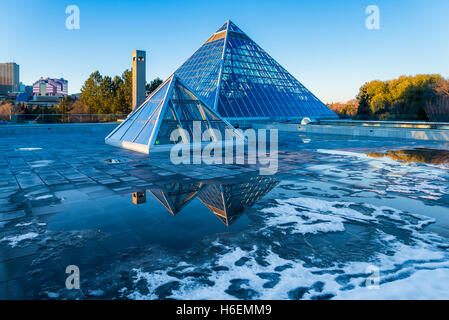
x: 153, y: 85
x: 89, y: 92
x: 104, y: 95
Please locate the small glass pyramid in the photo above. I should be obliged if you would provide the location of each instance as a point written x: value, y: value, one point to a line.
x: 239, y: 80
x: 172, y: 106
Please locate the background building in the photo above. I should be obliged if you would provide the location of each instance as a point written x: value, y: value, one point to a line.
x: 9, y: 77
x: 50, y: 87
x: 25, y: 89
x: 139, y: 78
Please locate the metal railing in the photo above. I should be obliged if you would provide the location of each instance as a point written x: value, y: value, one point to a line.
x: 45, y: 118
x: 388, y: 124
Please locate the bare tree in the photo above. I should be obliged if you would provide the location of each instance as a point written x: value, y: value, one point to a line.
x: 438, y: 110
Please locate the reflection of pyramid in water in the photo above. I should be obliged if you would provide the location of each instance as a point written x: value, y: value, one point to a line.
x: 172, y: 106
x: 175, y: 196
x: 228, y: 201
x: 238, y: 79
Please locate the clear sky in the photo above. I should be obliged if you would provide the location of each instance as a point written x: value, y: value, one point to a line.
x: 324, y: 44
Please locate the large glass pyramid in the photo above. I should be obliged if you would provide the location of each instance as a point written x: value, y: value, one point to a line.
x: 238, y: 79
x: 171, y: 106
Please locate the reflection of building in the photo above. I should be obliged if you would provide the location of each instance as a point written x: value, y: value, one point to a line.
x: 50, y: 87
x: 175, y: 196
x: 9, y: 77
x: 228, y: 201
x: 139, y: 197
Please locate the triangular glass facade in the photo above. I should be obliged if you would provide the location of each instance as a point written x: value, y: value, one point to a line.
x: 228, y: 201
x: 238, y: 79
x: 173, y: 105
x: 175, y: 196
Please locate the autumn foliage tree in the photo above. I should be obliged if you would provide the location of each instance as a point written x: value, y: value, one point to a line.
x: 345, y: 110
x: 405, y: 98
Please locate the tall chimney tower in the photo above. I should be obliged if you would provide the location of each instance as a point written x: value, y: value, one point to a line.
x: 139, y: 78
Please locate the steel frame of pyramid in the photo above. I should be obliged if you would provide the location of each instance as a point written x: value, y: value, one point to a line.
x: 172, y: 105
x: 239, y: 80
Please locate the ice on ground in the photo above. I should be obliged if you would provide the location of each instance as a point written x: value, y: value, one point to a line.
x: 397, y: 177
x: 24, y: 224
x: 15, y: 240
x: 28, y: 149
x: 153, y: 280
x: 403, y: 266
x: 421, y: 285
x: 52, y: 295
x: 96, y: 293
x: 310, y: 215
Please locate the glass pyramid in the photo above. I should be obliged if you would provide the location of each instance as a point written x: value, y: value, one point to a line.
x: 171, y: 106
x: 228, y: 201
x: 239, y: 80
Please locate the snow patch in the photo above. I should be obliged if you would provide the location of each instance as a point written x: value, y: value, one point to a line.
x: 15, y: 240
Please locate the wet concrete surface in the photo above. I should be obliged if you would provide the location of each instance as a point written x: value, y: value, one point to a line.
x: 330, y: 212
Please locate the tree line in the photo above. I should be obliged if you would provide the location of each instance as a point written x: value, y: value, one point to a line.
x: 99, y: 95
x: 421, y: 97
x: 105, y: 95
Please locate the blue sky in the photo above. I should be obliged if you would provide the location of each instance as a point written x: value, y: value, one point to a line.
x: 324, y: 44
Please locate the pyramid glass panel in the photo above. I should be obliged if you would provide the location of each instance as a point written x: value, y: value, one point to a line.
x: 233, y: 27
x: 131, y: 129
x: 201, y: 72
x: 144, y: 135
x: 183, y: 109
x: 223, y: 27
x: 170, y: 107
x: 238, y: 79
x: 165, y: 130
x: 118, y: 133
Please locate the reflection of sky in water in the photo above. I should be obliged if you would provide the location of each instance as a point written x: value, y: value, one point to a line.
x: 309, y: 232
